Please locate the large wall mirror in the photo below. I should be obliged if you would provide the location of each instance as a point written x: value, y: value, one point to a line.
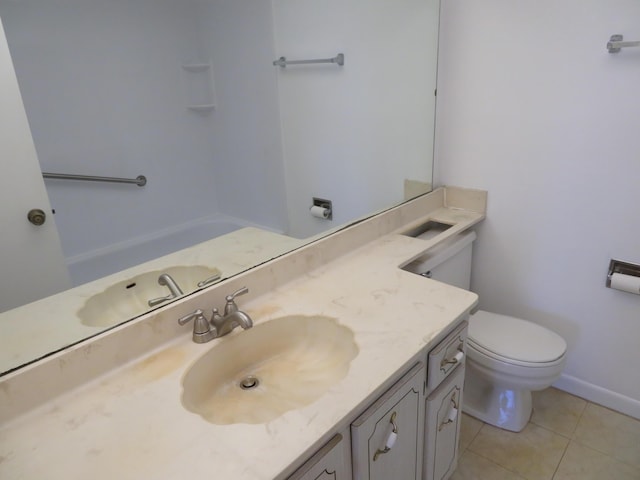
x: 235, y: 149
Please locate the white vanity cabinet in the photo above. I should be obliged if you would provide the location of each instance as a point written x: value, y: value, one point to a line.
x: 328, y: 463
x: 387, y: 439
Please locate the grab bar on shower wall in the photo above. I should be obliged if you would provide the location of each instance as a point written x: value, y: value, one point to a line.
x: 140, y: 180
x: 615, y: 44
x: 283, y: 62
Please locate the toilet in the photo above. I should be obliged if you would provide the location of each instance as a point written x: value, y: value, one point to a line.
x: 507, y: 358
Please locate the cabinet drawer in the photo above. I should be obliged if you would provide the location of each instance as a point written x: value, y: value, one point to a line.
x: 399, y: 415
x: 445, y: 357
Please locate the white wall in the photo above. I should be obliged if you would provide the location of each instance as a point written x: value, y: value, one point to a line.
x: 343, y: 127
x: 532, y: 108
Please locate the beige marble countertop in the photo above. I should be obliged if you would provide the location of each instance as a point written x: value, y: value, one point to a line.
x: 130, y: 423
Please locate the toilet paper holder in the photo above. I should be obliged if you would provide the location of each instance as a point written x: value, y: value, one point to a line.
x: 325, y: 204
x: 625, y: 268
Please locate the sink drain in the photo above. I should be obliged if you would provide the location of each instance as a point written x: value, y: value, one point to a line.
x: 249, y: 382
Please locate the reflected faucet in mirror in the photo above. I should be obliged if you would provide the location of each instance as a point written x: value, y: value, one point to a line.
x: 166, y: 281
x: 195, y: 81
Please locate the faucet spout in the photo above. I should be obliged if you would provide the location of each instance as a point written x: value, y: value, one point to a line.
x: 241, y: 318
x: 225, y: 324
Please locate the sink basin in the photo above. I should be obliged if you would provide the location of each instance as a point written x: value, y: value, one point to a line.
x: 258, y: 374
x: 128, y: 298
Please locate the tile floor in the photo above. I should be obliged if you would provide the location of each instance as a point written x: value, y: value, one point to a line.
x: 567, y: 438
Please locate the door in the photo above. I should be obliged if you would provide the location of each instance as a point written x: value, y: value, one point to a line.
x: 31, y: 256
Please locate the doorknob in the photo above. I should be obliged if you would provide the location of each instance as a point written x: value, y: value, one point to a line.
x: 36, y: 216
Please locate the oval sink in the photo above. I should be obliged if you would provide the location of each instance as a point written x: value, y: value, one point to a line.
x: 258, y: 374
x: 129, y: 298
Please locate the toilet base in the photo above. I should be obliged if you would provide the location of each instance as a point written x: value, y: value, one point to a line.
x: 498, y: 406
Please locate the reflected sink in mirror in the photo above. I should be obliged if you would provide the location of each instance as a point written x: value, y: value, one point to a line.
x: 259, y: 374
x: 130, y: 298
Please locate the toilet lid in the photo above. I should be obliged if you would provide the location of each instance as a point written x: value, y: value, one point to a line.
x: 514, y: 338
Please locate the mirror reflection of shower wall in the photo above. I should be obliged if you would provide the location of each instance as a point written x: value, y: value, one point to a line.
x: 105, y: 93
x: 110, y: 90
x: 355, y: 134
x: 104, y: 89
x: 184, y: 92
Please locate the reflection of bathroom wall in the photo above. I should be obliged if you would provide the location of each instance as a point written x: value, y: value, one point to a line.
x: 342, y: 127
x: 533, y: 109
x: 103, y: 88
x: 249, y: 181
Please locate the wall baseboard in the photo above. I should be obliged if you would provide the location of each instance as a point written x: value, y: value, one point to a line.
x: 599, y: 395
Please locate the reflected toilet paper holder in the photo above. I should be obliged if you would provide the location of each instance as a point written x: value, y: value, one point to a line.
x: 322, y: 208
x: 624, y: 268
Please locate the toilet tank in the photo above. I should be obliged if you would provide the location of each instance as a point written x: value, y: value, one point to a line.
x: 448, y: 262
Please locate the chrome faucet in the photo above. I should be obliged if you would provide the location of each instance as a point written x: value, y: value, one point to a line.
x: 232, y: 316
x: 220, y: 325
x: 166, y: 281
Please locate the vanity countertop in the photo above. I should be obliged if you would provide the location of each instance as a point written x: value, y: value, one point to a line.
x: 130, y: 423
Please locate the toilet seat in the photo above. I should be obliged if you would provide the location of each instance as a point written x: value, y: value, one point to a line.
x: 515, y: 341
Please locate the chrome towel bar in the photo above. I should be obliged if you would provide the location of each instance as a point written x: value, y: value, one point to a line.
x: 615, y: 44
x: 283, y: 62
x: 140, y: 180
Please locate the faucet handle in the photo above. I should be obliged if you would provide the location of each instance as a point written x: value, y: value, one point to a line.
x: 202, y: 330
x: 231, y: 306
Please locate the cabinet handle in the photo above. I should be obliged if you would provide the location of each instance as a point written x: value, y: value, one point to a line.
x: 391, y: 437
x: 452, y: 413
x: 457, y: 358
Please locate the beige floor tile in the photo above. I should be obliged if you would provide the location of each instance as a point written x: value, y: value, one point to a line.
x: 557, y: 410
x: 469, y: 428
x: 583, y: 463
x: 475, y: 467
x: 534, y: 453
x: 610, y: 432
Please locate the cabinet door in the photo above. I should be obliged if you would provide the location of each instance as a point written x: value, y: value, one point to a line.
x: 387, y: 440
x: 442, y: 427
x: 328, y: 463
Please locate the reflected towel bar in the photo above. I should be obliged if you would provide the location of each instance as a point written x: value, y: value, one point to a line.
x: 615, y: 44
x: 140, y: 180
x: 283, y: 62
